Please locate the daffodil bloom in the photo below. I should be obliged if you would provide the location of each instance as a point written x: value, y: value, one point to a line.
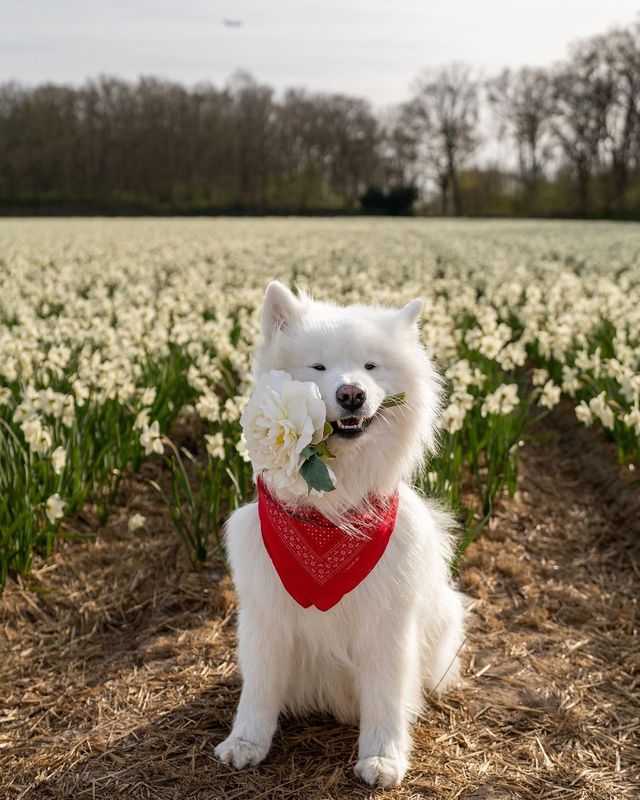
x: 135, y: 522
x: 215, y: 445
x: 58, y: 459
x: 54, y: 508
x: 151, y: 439
x: 550, y: 395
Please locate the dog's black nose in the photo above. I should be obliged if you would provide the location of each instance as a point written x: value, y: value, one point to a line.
x: 351, y: 396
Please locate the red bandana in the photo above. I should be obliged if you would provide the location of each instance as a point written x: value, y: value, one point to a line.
x: 318, y: 563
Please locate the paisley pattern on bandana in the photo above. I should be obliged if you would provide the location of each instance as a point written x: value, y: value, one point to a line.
x: 317, y: 561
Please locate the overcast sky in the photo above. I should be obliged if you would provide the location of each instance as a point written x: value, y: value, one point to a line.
x: 373, y: 48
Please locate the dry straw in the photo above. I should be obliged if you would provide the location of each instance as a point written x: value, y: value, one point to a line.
x: 118, y: 673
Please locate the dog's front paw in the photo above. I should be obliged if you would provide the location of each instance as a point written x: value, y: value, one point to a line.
x: 239, y: 753
x: 381, y: 770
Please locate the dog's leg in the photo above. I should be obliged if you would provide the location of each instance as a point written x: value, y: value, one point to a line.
x: 264, y: 653
x: 390, y: 690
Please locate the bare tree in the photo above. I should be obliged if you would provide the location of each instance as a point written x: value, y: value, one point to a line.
x: 582, y: 100
x: 523, y: 103
x: 618, y: 54
x: 397, y: 149
x: 444, y: 116
x: 154, y: 145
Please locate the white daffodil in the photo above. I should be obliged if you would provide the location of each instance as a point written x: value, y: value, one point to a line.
x: 142, y: 419
x: 539, y: 377
x: 602, y: 411
x: 37, y: 436
x: 550, y: 395
x: 208, y: 406
x: 58, y: 459
x: 148, y: 396
x: 151, y: 439
x: 242, y: 449
x: 632, y: 419
x: 502, y: 401
x: 453, y: 417
x: 215, y: 445
x: 135, y: 522
x: 54, y: 508
x: 570, y: 381
x: 584, y: 413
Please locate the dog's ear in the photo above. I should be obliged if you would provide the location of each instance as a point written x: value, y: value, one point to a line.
x: 279, y: 309
x: 410, y: 314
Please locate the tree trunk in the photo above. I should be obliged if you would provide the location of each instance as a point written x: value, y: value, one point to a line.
x: 452, y: 177
x: 443, y: 183
x: 583, y: 180
x: 457, y: 198
x: 620, y: 171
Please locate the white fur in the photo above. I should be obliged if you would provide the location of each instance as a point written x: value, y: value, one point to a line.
x: 369, y: 657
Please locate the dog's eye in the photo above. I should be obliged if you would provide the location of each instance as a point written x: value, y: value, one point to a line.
x: 319, y: 367
x: 369, y: 365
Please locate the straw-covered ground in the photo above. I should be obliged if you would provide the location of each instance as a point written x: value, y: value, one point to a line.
x: 118, y: 676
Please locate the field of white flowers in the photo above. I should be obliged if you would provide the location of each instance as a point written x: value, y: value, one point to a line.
x: 111, y: 331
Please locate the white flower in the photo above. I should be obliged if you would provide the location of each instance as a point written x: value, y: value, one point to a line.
x: 453, y: 417
x: 630, y: 387
x: 68, y: 410
x: 208, y: 406
x: 25, y: 410
x: 5, y: 395
x: 49, y: 402
x: 632, y: 419
x: 570, y: 380
x: 463, y: 399
x: 81, y: 392
x: 151, y: 439
x: 241, y: 448
x: 583, y: 413
x: 54, y: 508
x: 148, y: 396
x: 540, y: 377
x: 38, y: 437
x: 490, y: 346
x: 283, y: 417
x: 58, y: 459
x: 215, y: 445
x: 602, y: 411
x: 232, y: 410
x: 502, y: 401
x: 460, y: 375
x: 135, y: 522
x: 142, y: 419
x: 511, y: 356
x: 550, y: 395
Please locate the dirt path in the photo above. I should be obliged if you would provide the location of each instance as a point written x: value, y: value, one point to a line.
x: 120, y: 679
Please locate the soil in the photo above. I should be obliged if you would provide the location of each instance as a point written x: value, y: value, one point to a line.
x: 118, y: 675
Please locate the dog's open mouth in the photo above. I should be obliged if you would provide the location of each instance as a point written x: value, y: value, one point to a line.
x: 350, y: 427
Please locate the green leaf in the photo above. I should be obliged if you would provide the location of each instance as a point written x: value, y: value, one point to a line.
x: 392, y: 400
x: 322, y: 449
x: 308, y: 451
x: 316, y: 474
x: 328, y: 430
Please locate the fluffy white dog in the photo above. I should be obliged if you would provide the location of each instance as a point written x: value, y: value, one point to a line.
x: 400, y: 629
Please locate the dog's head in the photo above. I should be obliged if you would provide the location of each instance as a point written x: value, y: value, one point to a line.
x: 358, y: 355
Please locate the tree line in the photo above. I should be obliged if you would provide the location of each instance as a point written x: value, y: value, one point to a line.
x: 155, y: 146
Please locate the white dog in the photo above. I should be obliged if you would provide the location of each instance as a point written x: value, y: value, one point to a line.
x: 400, y: 629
